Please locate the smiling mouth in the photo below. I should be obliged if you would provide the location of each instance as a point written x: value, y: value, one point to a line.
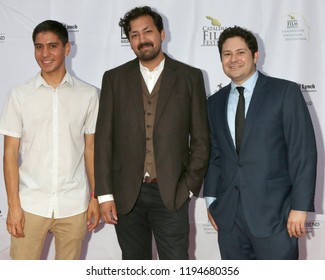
x: 234, y: 67
x: 46, y: 61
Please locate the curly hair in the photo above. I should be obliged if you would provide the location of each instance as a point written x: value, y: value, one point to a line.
x: 138, y: 12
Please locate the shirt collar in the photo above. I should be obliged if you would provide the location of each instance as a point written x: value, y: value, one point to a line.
x: 159, y: 68
x: 248, y: 85
x: 41, y: 82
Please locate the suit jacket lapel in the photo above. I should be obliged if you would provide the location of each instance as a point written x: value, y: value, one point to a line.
x: 168, y: 80
x: 224, y: 101
x: 133, y: 81
x: 255, y: 104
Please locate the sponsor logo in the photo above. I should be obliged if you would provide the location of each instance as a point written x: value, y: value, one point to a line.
x: 2, y: 38
x: 311, y: 226
x: 219, y: 86
x: 307, y: 88
x: 295, y: 28
x: 124, y: 40
x: 209, y: 229
x: 72, y: 28
x: 211, y: 32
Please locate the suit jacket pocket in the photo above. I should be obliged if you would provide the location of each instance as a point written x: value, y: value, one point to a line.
x: 278, y: 183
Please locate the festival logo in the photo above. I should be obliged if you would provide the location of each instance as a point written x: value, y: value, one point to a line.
x: 295, y: 28
x: 211, y: 32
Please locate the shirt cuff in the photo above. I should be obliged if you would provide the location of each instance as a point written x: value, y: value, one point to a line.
x: 104, y: 198
x: 209, y: 200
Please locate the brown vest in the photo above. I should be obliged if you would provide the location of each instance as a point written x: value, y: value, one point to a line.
x: 150, y: 104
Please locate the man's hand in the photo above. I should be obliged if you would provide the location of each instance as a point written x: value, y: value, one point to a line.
x: 16, y: 222
x: 296, y: 223
x: 93, y: 214
x: 213, y: 223
x: 108, y: 212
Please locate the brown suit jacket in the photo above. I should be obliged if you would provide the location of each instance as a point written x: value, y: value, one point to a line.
x: 181, y: 137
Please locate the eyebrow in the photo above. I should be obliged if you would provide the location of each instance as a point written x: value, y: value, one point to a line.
x: 50, y: 43
x: 241, y: 49
x: 136, y: 31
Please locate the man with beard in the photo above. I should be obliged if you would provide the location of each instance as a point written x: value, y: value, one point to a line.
x: 151, y: 144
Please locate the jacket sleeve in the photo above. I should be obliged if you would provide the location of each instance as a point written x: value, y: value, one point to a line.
x: 301, y: 145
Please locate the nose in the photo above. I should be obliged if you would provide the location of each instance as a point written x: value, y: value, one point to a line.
x: 45, y: 51
x: 233, y: 57
x: 141, y: 38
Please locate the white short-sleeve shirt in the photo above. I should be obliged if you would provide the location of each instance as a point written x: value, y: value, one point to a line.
x: 51, y: 124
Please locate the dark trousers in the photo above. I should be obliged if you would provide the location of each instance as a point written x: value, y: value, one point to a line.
x: 151, y: 217
x: 240, y: 244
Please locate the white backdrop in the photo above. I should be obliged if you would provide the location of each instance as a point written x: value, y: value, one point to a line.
x: 291, y: 45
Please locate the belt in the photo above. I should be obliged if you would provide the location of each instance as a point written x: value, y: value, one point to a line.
x: 149, y: 180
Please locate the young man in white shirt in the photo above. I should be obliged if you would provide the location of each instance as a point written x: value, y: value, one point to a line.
x: 48, y: 153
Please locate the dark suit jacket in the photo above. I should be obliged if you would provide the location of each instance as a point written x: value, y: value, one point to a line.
x: 276, y: 168
x: 180, y: 135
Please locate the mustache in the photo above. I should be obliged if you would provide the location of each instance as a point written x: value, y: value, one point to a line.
x: 146, y: 44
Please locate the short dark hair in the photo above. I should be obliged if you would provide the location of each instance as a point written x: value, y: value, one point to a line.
x: 138, y: 12
x: 52, y: 26
x: 238, y: 31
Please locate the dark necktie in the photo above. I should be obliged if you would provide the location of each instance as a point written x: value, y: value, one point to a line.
x: 240, y: 118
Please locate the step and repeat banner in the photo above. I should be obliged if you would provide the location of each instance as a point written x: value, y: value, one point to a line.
x: 291, y: 45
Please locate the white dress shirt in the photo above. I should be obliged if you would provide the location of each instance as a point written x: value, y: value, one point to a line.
x: 51, y: 124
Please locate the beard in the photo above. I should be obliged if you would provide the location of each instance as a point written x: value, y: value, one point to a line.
x: 147, y: 54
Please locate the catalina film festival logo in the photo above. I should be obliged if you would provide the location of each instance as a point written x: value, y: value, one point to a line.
x: 295, y: 28
x: 2, y: 38
x: 211, y: 32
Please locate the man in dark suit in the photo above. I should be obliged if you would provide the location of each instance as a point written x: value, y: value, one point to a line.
x: 152, y: 143
x: 261, y: 177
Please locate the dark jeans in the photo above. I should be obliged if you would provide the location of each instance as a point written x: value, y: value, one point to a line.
x: 150, y: 216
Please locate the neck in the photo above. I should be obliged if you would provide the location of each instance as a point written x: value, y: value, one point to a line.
x: 53, y: 79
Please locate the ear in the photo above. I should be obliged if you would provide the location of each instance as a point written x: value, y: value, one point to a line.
x: 162, y: 35
x: 256, y: 56
x: 67, y: 48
